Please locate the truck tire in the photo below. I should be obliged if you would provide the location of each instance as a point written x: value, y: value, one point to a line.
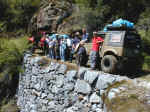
x: 108, y: 64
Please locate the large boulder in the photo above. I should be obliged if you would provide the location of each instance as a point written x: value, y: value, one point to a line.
x: 127, y: 97
x: 54, y: 15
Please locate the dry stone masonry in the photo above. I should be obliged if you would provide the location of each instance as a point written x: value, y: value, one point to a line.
x: 55, y: 89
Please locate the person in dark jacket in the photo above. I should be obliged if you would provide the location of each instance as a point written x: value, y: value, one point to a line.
x: 56, y: 48
x: 81, y: 57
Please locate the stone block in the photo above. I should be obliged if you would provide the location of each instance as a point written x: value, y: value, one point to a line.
x: 104, y: 81
x: 94, y: 98
x: 71, y: 75
x: 90, y: 76
x: 81, y: 72
x: 82, y: 87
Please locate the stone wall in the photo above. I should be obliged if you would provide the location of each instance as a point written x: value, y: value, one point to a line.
x: 54, y: 88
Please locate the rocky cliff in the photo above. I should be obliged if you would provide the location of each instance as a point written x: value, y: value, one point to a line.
x: 48, y: 86
x: 55, y: 15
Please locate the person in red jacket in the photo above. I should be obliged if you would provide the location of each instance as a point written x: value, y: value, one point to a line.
x: 94, y: 54
x: 44, y: 44
x: 31, y: 40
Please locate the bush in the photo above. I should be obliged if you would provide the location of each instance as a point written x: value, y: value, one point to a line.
x: 145, y: 35
x: 146, y: 64
x: 11, y: 56
x: 11, y: 51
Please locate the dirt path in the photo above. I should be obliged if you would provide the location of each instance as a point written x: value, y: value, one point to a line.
x: 143, y: 75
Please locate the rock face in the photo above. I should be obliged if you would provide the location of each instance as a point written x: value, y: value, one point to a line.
x: 54, y: 15
x: 54, y: 89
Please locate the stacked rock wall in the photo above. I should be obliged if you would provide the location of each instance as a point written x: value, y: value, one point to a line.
x: 54, y: 88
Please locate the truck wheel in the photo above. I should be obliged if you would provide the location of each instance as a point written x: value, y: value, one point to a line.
x: 108, y: 64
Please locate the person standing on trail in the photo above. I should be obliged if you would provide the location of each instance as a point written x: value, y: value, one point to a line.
x: 43, y: 43
x: 63, y: 46
x: 51, y: 45
x: 81, y: 57
x: 94, y: 54
x: 85, y: 35
x: 76, y: 40
x: 56, y: 48
x: 69, y: 48
x: 31, y: 40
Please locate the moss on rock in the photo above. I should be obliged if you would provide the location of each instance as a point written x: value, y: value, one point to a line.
x: 129, y: 99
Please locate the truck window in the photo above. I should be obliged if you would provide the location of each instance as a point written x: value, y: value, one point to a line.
x: 132, y: 41
x: 116, y: 38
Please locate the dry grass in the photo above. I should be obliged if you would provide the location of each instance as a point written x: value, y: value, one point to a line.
x: 10, y: 107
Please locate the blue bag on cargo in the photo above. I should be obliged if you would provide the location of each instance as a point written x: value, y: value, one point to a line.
x: 129, y: 24
x: 121, y: 22
x: 106, y: 27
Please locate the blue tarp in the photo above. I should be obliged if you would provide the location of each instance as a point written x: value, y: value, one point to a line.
x: 105, y: 28
x: 53, y: 36
x: 65, y: 36
x: 119, y: 23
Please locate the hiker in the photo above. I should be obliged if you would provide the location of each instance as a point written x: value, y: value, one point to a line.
x: 43, y: 43
x: 51, y: 44
x: 76, y: 40
x: 94, y: 54
x: 31, y: 40
x: 63, y: 46
x: 69, y: 54
x: 81, y: 57
x: 56, y: 47
x: 85, y: 35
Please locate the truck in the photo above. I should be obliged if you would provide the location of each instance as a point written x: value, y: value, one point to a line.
x: 120, y: 51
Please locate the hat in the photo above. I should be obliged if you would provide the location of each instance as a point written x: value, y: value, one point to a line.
x: 77, y: 33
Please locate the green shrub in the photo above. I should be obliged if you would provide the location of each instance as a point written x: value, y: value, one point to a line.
x: 145, y: 35
x: 146, y: 64
x: 11, y: 50
x: 11, y: 56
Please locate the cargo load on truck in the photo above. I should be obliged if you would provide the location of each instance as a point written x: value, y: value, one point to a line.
x: 119, y: 24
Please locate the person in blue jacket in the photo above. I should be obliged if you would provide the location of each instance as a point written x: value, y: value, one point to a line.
x: 85, y: 35
x: 63, y: 46
x: 51, y: 44
x: 76, y: 40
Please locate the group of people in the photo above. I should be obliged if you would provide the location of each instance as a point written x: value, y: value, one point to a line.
x: 63, y: 47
